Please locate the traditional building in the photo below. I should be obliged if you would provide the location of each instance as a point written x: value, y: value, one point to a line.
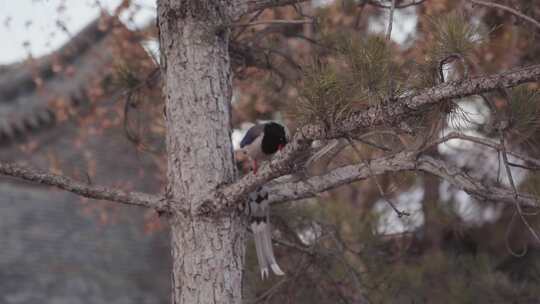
x: 65, y: 112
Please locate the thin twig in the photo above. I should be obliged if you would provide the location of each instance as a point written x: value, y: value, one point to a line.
x: 362, y: 138
x: 307, y: 250
x: 532, y: 168
x: 372, y: 144
x: 283, y: 55
x: 388, y: 38
x: 272, y: 290
x: 485, y: 142
x: 303, y: 265
x: 340, y: 255
x: 277, y: 21
x: 508, y: 9
x: 374, y: 177
x: 498, y: 166
x: 390, y: 21
x: 253, y: 18
x: 507, y: 239
x: 514, y: 188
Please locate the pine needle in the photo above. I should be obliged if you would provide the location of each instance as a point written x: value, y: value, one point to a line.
x: 524, y: 109
x: 371, y: 65
x: 325, y: 95
x: 454, y: 34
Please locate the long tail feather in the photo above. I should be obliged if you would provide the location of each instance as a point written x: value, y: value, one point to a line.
x: 260, y: 225
x: 258, y: 235
x: 268, y: 250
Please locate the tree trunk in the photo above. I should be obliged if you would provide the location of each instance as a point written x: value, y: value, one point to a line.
x: 208, y: 254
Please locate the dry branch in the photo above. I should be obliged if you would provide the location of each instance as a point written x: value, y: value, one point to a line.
x: 83, y: 189
x: 341, y: 176
x: 404, y: 161
x: 488, y: 143
x: 396, y: 110
x: 473, y: 187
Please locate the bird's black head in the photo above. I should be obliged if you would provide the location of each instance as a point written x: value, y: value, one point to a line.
x: 274, y: 138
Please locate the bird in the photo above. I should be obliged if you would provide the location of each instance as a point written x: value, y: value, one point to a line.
x: 259, y: 144
x: 262, y: 233
x: 262, y: 141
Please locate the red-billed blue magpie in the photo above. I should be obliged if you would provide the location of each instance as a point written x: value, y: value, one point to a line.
x: 262, y: 141
x: 259, y: 144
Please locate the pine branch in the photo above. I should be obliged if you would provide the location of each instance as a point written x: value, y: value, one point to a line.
x: 341, y: 176
x: 379, y: 115
x: 401, y: 107
x: 96, y: 192
x: 404, y: 161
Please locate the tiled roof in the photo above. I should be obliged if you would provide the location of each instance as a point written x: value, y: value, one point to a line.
x: 26, y: 89
x: 51, y: 251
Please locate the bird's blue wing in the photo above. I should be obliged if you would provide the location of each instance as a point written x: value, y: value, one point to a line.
x: 251, y: 135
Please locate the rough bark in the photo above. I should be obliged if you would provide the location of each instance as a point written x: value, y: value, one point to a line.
x: 208, y: 254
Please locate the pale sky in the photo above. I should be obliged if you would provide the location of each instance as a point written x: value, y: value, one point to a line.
x: 36, y: 26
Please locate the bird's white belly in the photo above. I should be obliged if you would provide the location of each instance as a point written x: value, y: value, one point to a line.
x: 254, y: 150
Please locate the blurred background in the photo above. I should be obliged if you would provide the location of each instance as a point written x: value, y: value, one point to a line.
x: 80, y: 96
x: 62, y: 109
